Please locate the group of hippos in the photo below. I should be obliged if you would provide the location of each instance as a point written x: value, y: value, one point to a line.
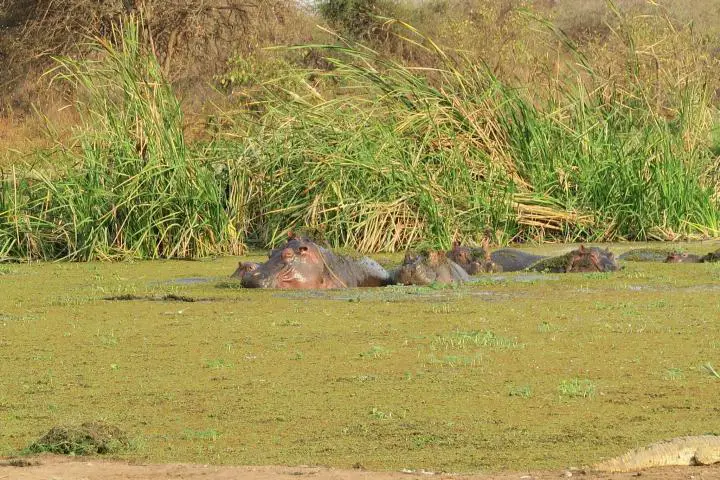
x: 303, y: 264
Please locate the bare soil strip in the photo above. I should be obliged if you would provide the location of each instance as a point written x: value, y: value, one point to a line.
x: 68, y: 468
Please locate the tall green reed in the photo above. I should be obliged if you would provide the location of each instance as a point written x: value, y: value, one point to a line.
x: 414, y: 154
x: 392, y: 155
x: 130, y: 187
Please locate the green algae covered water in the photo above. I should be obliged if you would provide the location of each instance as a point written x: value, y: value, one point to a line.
x: 513, y: 371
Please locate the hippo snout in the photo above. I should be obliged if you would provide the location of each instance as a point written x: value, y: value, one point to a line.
x: 287, y: 255
x: 256, y: 279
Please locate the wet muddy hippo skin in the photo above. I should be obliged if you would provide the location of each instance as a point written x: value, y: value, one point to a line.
x: 667, y: 255
x: 474, y: 260
x: 427, y: 268
x: 302, y: 264
x: 583, y: 259
x: 243, y: 269
x: 511, y: 260
x: 679, y: 257
x: 647, y: 254
x: 711, y: 257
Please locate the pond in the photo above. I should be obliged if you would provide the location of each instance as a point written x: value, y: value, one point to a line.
x: 511, y: 371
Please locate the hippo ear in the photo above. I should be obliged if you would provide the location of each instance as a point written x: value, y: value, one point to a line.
x: 582, y: 248
x: 456, y: 243
x: 292, y: 235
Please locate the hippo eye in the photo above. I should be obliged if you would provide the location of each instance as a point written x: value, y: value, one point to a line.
x: 302, y: 249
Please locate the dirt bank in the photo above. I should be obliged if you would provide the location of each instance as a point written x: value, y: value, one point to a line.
x: 68, y: 468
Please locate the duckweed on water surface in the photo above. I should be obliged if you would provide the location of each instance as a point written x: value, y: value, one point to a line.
x: 501, y: 374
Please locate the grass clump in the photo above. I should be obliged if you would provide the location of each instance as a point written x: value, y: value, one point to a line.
x: 577, y: 388
x: 708, y: 368
x: 673, y: 373
x: 375, y: 352
x: 461, y: 340
x: 209, y: 434
x: 522, y: 391
x: 90, y: 438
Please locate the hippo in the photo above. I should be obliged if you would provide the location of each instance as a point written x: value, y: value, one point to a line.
x: 512, y: 260
x: 582, y: 259
x: 682, y: 257
x: 647, y: 254
x: 302, y: 264
x: 429, y: 267
x: 668, y: 256
x: 243, y: 269
x: 711, y: 257
x: 474, y: 260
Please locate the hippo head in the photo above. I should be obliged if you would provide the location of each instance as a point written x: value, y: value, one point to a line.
x: 243, y: 269
x: 675, y: 257
x: 682, y: 257
x: 297, y: 264
x: 591, y: 260
x: 427, y: 268
x: 474, y: 260
x: 418, y: 269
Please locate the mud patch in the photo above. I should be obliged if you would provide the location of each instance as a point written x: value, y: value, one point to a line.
x: 171, y: 297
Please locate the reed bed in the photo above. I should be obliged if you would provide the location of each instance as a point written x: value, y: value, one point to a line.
x: 382, y: 157
x: 127, y: 185
x: 409, y: 154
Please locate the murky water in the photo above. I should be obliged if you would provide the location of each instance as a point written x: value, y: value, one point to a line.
x: 516, y: 370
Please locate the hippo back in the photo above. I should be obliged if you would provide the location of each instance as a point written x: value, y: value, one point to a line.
x: 711, y: 257
x: 646, y: 255
x: 364, y: 272
x: 593, y: 259
x: 512, y: 260
x: 427, y: 268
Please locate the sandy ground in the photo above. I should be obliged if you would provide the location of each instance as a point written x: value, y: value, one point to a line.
x: 68, y: 468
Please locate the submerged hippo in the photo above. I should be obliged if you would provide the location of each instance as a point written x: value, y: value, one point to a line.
x: 668, y: 255
x: 474, y: 260
x: 647, y: 254
x: 582, y: 259
x: 301, y: 264
x: 512, y: 260
x: 427, y: 268
x: 690, y: 258
x: 711, y: 257
x: 682, y: 257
